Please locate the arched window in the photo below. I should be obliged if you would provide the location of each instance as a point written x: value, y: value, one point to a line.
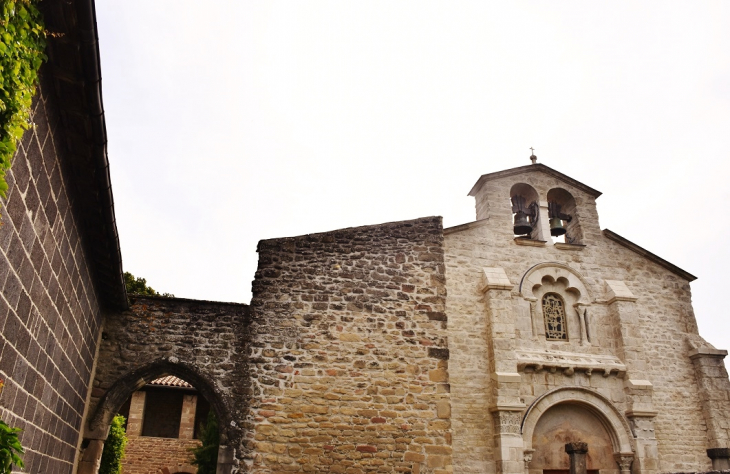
x: 564, y: 223
x: 553, y: 310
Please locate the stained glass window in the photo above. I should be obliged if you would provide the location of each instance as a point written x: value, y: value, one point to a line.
x: 553, y: 310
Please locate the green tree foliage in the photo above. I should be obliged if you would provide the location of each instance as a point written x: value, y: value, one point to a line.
x: 138, y: 286
x: 22, y: 46
x: 114, y: 446
x: 206, y: 456
x: 10, y: 448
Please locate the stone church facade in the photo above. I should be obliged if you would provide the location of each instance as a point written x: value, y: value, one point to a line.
x: 402, y: 347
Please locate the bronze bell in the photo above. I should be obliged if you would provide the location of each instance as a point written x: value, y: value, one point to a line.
x: 522, y: 225
x: 556, y: 227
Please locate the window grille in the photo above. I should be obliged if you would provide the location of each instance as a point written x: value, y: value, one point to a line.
x: 553, y: 310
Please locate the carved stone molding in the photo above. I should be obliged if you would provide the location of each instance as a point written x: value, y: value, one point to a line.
x: 569, y: 362
x: 554, y: 271
x: 507, y: 422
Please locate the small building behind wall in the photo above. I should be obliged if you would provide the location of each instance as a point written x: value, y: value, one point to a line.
x: 162, y: 426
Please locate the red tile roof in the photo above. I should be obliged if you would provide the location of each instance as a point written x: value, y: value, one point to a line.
x: 171, y: 381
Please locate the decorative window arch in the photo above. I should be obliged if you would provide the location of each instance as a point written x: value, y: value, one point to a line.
x: 553, y: 310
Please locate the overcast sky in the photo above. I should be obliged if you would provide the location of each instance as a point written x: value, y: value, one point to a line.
x: 235, y: 121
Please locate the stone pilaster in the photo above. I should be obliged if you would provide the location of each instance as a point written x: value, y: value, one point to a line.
x: 639, y: 392
x: 508, y: 455
x: 506, y: 405
x: 136, y: 414
x: 714, y: 389
x: 641, y: 413
x: 187, y: 417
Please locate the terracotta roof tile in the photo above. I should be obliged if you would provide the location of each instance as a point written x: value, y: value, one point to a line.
x: 171, y: 381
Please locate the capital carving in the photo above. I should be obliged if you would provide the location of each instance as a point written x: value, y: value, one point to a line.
x: 527, y: 457
x: 577, y: 447
x: 507, y: 422
x: 624, y: 461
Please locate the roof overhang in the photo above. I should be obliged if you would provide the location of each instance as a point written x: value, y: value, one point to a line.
x: 537, y: 167
x: 648, y: 255
x: 74, y: 66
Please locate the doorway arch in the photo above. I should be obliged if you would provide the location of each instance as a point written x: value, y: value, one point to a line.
x: 587, y: 406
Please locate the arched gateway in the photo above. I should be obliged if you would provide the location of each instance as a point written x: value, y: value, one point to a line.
x: 203, y: 344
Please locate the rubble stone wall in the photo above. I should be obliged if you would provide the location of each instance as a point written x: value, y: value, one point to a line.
x: 203, y: 343
x: 349, y: 354
x: 49, y: 310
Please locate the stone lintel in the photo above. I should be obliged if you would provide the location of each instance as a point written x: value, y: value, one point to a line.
x: 564, y: 246
x: 640, y: 384
x: 494, y: 278
x: 641, y: 413
x: 530, y: 242
x: 705, y: 351
x: 616, y: 290
x: 496, y: 408
x: 506, y: 377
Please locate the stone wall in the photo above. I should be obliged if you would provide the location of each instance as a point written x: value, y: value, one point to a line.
x: 349, y: 358
x: 650, y: 334
x: 201, y: 342
x: 49, y: 310
x: 150, y: 455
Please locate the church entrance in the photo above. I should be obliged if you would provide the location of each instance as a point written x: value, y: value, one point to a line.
x: 566, y: 423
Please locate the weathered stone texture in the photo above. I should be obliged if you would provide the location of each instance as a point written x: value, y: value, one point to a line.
x: 650, y: 336
x: 150, y: 455
x: 203, y: 343
x: 349, y: 353
x: 49, y: 312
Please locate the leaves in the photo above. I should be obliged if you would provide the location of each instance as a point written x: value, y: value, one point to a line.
x: 114, y: 447
x: 21, y: 55
x: 206, y: 455
x: 10, y: 448
x: 138, y: 286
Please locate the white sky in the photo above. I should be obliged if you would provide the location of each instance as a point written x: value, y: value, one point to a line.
x: 235, y: 121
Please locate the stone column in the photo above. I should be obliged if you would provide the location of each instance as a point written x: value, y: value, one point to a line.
x: 624, y: 461
x: 136, y: 414
x: 714, y: 391
x: 505, y: 380
x: 544, y: 223
x: 577, y: 452
x: 187, y: 417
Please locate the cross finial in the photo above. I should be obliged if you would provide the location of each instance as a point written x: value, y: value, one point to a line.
x: 533, y: 158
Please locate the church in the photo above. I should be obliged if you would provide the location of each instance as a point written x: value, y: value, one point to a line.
x: 517, y: 343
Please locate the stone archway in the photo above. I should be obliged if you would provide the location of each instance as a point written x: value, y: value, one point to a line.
x: 584, y: 412
x: 97, y: 428
x: 202, y: 342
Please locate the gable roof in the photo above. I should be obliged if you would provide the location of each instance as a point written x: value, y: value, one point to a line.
x: 74, y: 67
x: 648, y: 255
x: 532, y: 168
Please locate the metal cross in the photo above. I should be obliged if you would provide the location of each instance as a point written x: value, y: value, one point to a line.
x: 532, y: 150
